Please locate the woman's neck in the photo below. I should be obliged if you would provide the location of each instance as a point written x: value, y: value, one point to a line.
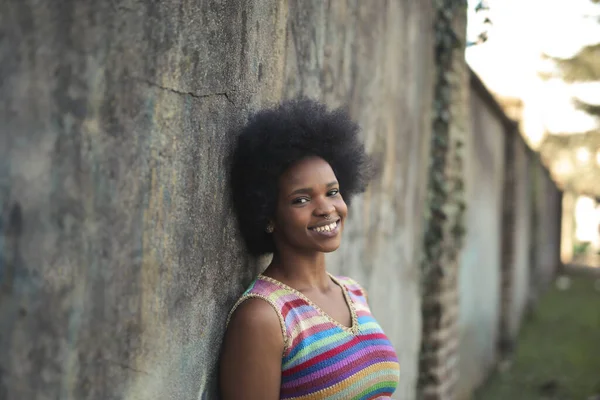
x: 300, y: 271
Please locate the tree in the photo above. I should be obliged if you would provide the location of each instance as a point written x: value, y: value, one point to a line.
x: 577, y: 154
x: 582, y: 67
x: 573, y: 156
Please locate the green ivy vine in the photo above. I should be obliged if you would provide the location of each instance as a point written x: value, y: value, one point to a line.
x: 444, y: 214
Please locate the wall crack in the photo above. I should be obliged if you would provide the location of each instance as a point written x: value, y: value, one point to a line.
x: 185, y: 93
x: 124, y: 366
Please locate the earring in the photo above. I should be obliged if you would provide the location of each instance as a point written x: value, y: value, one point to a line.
x: 270, y: 228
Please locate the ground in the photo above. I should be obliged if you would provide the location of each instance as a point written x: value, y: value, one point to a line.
x: 558, y: 352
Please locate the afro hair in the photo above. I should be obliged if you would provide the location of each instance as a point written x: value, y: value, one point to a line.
x: 273, y: 140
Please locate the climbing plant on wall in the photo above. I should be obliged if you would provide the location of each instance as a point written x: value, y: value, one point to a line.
x: 444, y: 226
x: 445, y: 189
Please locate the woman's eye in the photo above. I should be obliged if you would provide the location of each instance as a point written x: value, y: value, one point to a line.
x: 300, y: 200
x: 333, y: 192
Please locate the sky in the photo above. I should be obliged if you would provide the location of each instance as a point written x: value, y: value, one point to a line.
x: 510, y: 60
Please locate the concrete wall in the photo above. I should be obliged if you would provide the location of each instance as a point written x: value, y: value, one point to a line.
x: 372, y: 59
x: 546, y: 210
x: 521, y: 237
x: 512, y: 246
x: 118, y: 253
x: 479, y: 277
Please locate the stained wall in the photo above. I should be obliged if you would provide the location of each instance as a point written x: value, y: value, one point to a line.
x: 119, y: 257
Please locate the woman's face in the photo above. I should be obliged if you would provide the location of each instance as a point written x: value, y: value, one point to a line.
x: 310, y: 210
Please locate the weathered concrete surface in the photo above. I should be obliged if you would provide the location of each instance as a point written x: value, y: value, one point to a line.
x: 479, y: 277
x: 521, y: 235
x: 119, y: 256
x: 118, y: 253
x: 371, y: 59
x: 546, y: 210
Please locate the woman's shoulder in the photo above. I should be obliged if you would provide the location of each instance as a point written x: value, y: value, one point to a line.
x: 258, y: 298
x: 252, y: 350
x: 257, y: 309
x: 251, y: 313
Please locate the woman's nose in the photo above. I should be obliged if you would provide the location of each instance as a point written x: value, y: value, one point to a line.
x: 324, y: 207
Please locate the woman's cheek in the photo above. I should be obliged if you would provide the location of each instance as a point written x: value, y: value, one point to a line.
x: 342, y: 207
x: 300, y: 215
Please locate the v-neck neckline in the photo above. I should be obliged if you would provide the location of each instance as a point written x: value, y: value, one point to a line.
x: 349, y: 303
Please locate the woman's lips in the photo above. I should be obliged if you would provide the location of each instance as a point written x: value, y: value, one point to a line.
x: 329, y: 230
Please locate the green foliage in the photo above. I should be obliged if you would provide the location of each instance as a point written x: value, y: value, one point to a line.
x: 444, y: 227
x: 592, y: 109
x: 582, y: 67
x: 442, y: 188
x: 565, y: 147
x: 558, y: 350
x: 481, y: 7
x: 580, y: 248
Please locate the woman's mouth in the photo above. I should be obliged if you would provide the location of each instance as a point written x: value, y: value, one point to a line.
x: 328, y: 230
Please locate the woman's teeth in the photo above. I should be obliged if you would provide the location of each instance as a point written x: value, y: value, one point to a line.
x: 326, y: 228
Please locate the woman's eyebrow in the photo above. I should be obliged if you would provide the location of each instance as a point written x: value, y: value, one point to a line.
x: 303, y: 190
x: 310, y: 190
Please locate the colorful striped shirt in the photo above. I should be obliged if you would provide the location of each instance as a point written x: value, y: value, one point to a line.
x: 322, y: 358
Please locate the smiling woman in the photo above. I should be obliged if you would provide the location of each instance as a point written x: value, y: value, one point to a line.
x: 299, y: 332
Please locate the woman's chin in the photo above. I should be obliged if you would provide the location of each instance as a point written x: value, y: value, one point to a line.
x: 330, y: 248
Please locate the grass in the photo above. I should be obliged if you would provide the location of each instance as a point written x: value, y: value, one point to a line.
x: 558, y: 353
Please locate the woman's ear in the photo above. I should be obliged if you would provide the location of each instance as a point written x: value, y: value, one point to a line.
x: 270, y: 226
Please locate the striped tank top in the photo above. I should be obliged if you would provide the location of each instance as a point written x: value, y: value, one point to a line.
x: 323, y: 359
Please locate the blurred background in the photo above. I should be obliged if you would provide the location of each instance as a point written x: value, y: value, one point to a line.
x: 479, y: 242
x: 541, y: 60
x: 551, y: 87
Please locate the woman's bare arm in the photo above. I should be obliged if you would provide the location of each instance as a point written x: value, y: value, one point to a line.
x: 250, y: 366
